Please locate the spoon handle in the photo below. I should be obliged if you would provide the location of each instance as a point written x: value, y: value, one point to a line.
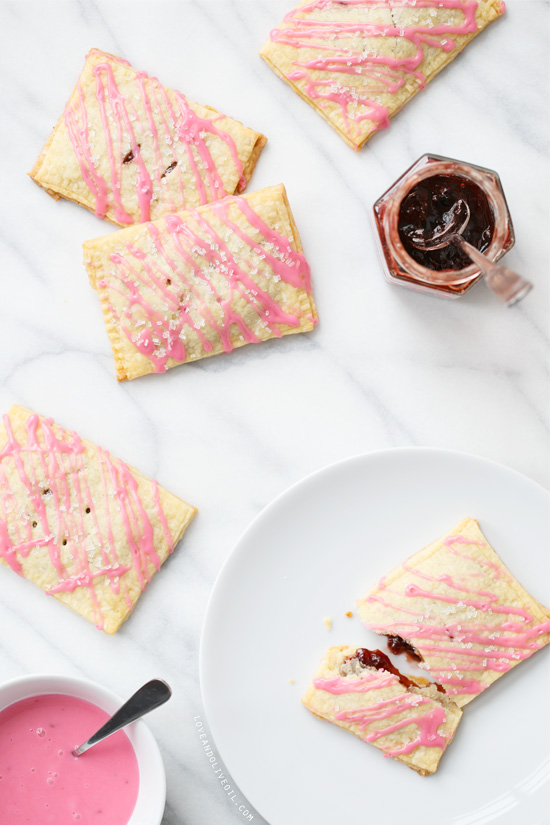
x: 508, y: 285
x: 147, y: 698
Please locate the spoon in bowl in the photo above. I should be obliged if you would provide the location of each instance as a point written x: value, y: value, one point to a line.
x: 147, y: 698
x: 505, y: 283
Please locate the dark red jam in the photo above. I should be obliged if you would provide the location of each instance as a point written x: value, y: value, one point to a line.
x: 424, y: 207
x: 398, y: 645
x: 169, y: 169
x: 129, y: 156
x: 379, y: 660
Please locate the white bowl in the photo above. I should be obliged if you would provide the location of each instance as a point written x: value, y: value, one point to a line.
x: 152, y: 779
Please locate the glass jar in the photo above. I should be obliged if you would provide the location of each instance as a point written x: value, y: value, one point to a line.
x: 399, y: 267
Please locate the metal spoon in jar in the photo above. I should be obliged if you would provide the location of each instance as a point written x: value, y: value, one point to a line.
x: 147, y: 698
x: 505, y: 283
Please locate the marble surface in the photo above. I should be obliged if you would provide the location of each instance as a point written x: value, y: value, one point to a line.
x: 386, y: 367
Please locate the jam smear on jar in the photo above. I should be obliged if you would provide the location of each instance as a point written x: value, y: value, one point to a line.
x: 379, y: 660
x: 424, y: 207
x: 398, y: 645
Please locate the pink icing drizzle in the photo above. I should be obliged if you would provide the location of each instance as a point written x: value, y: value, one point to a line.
x: 427, y: 723
x: 180, y: 277
x: 125, y: 130
x: 450, y: 543
x: 465, y: 648
x: 370, y: 680
x: 44, y: 466
x: 336, y: 40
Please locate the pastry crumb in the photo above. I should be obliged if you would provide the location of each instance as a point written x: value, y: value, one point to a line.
x: 328, y: 622
x: 291, y: 681
x: 349, y: 614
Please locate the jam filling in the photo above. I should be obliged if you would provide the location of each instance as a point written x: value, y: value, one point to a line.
x: 379, y: 660
x: 398, y: 645
x: 424, y: 208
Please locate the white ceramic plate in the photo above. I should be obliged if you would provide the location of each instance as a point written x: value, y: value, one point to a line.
x: 310, y: 554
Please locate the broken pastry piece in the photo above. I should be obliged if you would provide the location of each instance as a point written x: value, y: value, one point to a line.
x: 132, y: 150
x: 456, y: 608
x: 358, y: 62
x: 202, y: 282
x: 82, y: 525
x: 360, y: 691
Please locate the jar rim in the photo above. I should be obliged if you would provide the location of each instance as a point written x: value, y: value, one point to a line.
x: 485, y: 180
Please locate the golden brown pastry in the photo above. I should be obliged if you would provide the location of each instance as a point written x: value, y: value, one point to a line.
x: 358, y: 62
x: 460, y: 611
x: 132, y: 150
x: 82, y: 525
x: 203, y: 282
x: 360, y: 691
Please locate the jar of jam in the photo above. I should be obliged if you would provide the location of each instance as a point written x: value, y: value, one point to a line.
x: 421, y: 200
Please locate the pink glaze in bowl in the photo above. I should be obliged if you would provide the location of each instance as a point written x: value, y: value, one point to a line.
x: 151, y: 797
